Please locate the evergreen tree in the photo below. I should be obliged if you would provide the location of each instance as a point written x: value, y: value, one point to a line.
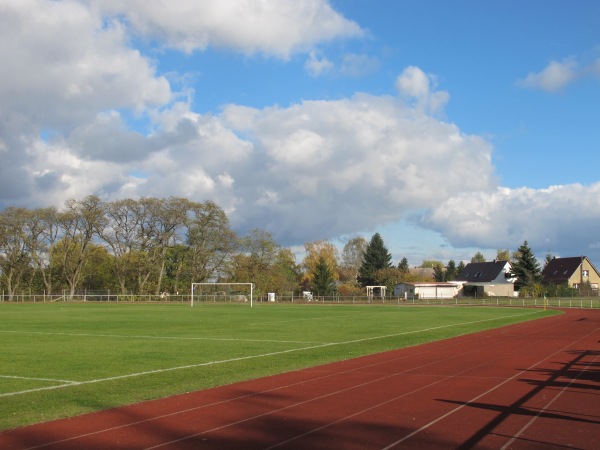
x: 438, y: 273
x: 376, y: 257
x: 403, y: 266
x: 525, y: 268
x: 323, y: 278
x: 451, y: 271
x: 549, y: 257
x: 461, y: 266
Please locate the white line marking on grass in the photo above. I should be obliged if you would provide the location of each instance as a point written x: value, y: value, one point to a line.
x: 183, y: 338
x: 272, y: 389
x: 297, y: 320
x: 263, y: 355
x: 37, y: 379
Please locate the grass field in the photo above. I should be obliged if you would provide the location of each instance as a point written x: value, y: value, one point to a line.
x: 64, y: 359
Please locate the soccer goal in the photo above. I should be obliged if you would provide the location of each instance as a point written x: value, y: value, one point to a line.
x: 222, y: 292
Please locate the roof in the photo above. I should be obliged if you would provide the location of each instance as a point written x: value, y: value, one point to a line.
x: 559, y: 270
x: 483, y: 272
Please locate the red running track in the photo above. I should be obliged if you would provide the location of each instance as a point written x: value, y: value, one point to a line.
x: 534, y: 385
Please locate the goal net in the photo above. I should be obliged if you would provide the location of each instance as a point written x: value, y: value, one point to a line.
x: 222, y: 293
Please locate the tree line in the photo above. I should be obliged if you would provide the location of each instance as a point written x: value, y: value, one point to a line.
x: 149, y: 246
x: 154, y: 245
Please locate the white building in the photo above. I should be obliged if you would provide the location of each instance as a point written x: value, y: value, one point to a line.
x: 426, y: 290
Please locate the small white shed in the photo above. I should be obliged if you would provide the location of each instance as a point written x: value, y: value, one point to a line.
x: 426, y: 290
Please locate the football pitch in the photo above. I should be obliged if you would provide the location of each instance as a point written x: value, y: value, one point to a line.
x: 64, y: 359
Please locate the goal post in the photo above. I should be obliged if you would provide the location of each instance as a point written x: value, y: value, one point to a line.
x: 196, y: 292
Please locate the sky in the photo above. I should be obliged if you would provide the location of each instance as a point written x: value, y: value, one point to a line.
x: 448, y: 127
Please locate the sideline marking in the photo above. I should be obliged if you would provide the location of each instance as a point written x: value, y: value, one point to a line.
x: 37, y: 379
x: 242, y: 358
x: 272, y: 389
x: 48, y: 333
x: 228, y: 400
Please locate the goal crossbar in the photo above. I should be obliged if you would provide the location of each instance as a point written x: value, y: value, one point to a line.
x: 223, y: 284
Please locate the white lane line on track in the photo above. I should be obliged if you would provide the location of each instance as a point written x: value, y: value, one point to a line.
x: 474, y: 399
x: 330, y: 394
x: 545, y: 408
x: 263, y: 355
x: 253, y: 394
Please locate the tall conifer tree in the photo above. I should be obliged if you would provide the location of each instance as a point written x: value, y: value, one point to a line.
x: 323, y: 278
x: 376, y: 257
x: 525, y: 267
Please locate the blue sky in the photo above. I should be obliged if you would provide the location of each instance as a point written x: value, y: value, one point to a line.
x: 448, y: 127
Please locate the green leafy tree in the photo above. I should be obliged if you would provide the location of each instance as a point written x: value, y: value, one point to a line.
x: 431, y: 264
x: 461, y: 266
x: 388, y: 277
x: 478, y: 258
x: 314, y: 252
x: 258, y: 251
x: 79, y: 223
x: 15, y: 259
x: 503, y: 254
x: 323, y: 278
x: 526, y: 268
x: 376, y: 257
x: 352, y: 255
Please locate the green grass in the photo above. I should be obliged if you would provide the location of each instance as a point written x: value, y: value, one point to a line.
x: 97, y: 356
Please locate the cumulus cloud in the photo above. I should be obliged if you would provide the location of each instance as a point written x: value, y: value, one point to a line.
x: 560, y: 219
x: 347, y: 165
x: 416, y: 85
x: 311, y: 170
x: 269, y: 27
x: 559, y: 74
x: 316, y: 66
x: 553, y: 77
x: 358, y: 65
x: 64, y: 63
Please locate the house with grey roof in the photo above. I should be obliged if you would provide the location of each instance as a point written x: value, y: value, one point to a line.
x: 572, y: 272
x: 493, y: 279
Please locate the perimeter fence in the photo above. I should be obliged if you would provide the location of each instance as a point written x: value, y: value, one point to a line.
x: 568, y: 302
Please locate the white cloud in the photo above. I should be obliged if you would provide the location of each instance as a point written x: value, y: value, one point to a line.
x: 554, y: 77
x: 270, y: 27
x: 312, y: 170
x: 67, y: 63
x: 415, y: 84
x: 316, y: 66
x: 358, y: 65
x: 348, y: 165
x: 560, y: 219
